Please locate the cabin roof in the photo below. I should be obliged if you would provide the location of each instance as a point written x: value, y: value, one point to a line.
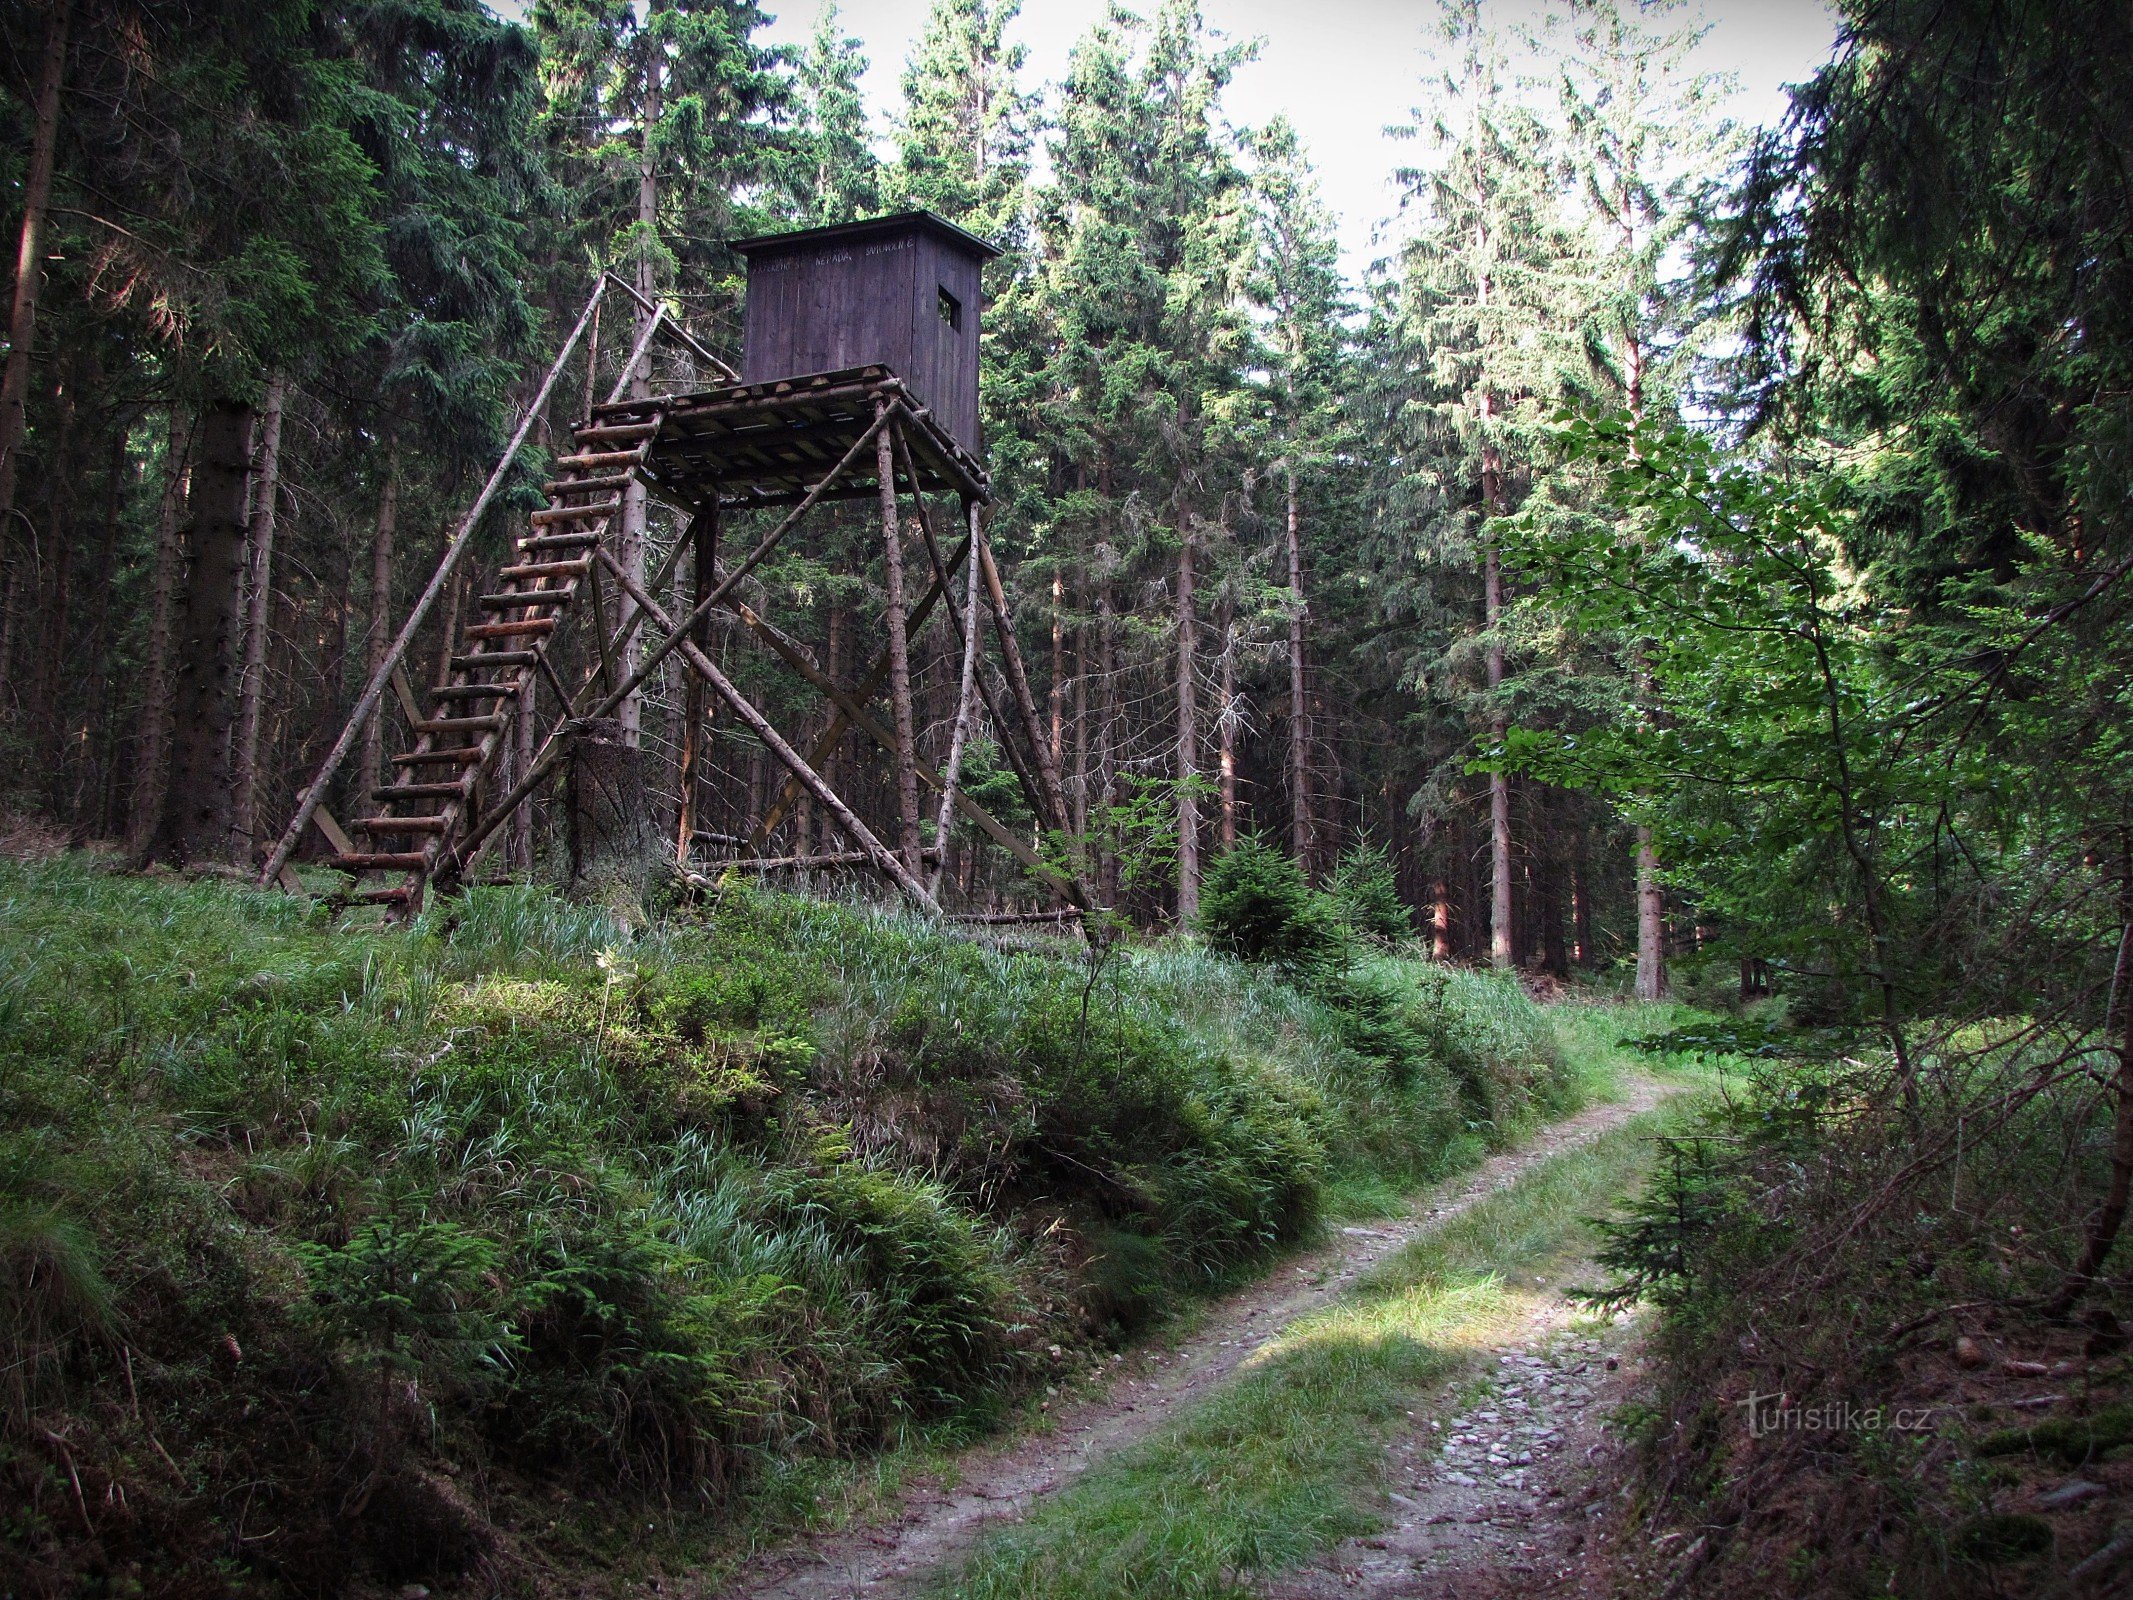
x: 872, y: 228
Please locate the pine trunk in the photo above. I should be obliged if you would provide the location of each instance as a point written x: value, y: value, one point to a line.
x: 899, y: 657
x: 1081, y: 731
x: 1188, y: 739
x: 1651, y: 922
x: 49, y: 637
x: 1226, y: 726
x: 29, y: 269
x: 630, y: 522
x: 965, y: 715
x: 1106, y: 748
x: 99, y: 727
x: 195, y: 823
x: 1501, y: 947
x: 1058, y: 694
x: 259, y: 616
x: 151, y: 763
x: 518, y: 842
x: 1300, y: 826
x: 371, y: 772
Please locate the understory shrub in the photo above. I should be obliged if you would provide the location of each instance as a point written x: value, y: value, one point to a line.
x: 1819, y: 1237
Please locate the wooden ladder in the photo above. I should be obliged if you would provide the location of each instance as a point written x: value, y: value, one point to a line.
x: 424, y: 808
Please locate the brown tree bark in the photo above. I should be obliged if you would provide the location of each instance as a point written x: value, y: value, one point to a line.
x: 1440, y: 918
x: 1580, y: 909
x: 151, y: 768
x: 1226, y: 726
x: 631, y: 520
x: 97, y: 742
x: 53, y: 597
x: 1058, y: 692
x: 370, y: 772
x: 195, y: 824
x: 1106, y: 748
x: 1188, y: 733
x: 29, y: 269
x: 259, y: 616
x: 1302, y: 839
x: 518, y: 843
x: 2110, y: 1217
x: 1651, y: 922
x: 898, y: 620
x: 1501, y: 948
x: 1081, y: 730
x: 965, y: 716
x: 695, y: 735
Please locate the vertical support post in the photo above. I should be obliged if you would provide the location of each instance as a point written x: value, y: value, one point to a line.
x: 519, y: 846
x: 899, y: 648
x: 703, y: 529
x: 1017, y: 679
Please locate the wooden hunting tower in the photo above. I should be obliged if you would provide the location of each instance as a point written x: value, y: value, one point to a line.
x: 859, y: 382
x: 903, y: 292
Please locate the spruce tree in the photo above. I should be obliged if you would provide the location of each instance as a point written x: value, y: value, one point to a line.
x: 1478, y: 339
x: 1647, y: 145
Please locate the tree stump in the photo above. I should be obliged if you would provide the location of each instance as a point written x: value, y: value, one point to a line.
x: 615, y: 841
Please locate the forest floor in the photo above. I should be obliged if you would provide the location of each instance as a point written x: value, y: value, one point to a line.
x: 1500, y: 1485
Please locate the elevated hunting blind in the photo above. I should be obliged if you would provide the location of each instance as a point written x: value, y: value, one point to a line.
x: 859, y: 381
x: 901, y: 292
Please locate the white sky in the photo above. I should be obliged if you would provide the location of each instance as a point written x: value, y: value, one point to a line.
x: 1342, y: 70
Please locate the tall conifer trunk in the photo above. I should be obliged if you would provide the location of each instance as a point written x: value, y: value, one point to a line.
x: 1226, y: 725
x: 1188, y: 735
x: 151, y: 764
x: 378, y: 639
x: 1501, y: 948
x: 1301, y: 840
x: 29, y: 278
x: 630, y: 524
x: 1058, y: 694
x: 195, y: 824
x: 1651, y: 899
x: 259, y: 616
x: 898, y: 621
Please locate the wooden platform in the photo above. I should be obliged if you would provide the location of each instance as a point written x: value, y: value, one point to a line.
x: 769, y: 444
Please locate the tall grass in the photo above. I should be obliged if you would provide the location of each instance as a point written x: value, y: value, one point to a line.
x: 655, y: 1209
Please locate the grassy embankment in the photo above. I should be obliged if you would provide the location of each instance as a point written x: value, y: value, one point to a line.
x: 523, y: 1241
x: 1282, y: 1463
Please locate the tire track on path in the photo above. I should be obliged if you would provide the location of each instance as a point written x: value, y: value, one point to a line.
x: 998, y: 1482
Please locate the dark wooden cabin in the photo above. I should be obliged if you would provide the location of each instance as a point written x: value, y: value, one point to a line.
x: 904, y: 291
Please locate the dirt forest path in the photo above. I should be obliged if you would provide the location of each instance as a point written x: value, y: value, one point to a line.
x: 933, y: 1525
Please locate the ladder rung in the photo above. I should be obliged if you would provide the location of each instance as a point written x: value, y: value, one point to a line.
x: 614, y: 431
x: 558, y: 541
x: 482, y: 724
x: 546, y: 569
x: 382, y: 861
x: 531, y: 597
x: 473, y: 691
x: 600, y: 484
x: 383, y: 894
x: 597, y: 512
x: 403, y: 824
x: 535, y: 627
x: 595, y: 460
x: 465, y: 754
x: 483, y: 659
x: 419, y: 791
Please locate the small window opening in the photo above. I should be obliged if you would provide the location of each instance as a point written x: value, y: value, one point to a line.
x: 951, y: 311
